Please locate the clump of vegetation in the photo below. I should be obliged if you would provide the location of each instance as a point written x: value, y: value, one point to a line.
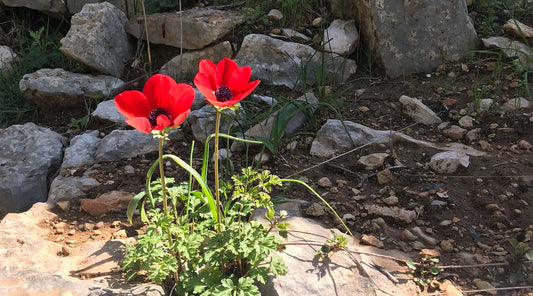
x: 36, y: 49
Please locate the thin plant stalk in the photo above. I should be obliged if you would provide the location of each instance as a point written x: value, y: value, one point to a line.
x: 164, y: 195
x: 215, y: 157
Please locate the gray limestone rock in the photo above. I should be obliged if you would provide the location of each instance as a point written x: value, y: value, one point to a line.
x: 75, y: 6
x: 58, y: 88
x: 81, y: 150
x: 185, y: 66
x: 54, y: 7
x: 512, y: 49
x: 201, y: 27
x: 121, y: 144
x: 29, y: 157
x: 202, y: 121
x: 340, y: 37
x: 396, y: 213
x: 7, y: 58
x: 293, y: 125
x: 415, y: 36
x: 419, y: 112
x: 70, y: 188
x: 333, y: 138
x: 98, y: 39
x: 279, y: 62
x: 108, y: 111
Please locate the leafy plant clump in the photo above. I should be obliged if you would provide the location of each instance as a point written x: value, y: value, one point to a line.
x: 208, y: 262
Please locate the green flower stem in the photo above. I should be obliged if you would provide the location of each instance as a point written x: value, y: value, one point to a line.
x: 322, y: 199
x: 215, y: 156
x: 164, y: 195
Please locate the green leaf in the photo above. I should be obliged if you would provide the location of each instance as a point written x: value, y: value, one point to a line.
x: 435, y: 270
x: 132, y: 206
x: 411, y: 264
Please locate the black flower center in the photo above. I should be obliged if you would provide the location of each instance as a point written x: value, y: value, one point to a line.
x: 223, y: 94
x: 156, y: 112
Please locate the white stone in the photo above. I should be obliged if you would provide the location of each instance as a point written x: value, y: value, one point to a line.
x: 448, y: 162
x: 419, y: 112
x: 340, y: 37
x: 373, y: 161
x: 7, y: 59
x: 275, y: 15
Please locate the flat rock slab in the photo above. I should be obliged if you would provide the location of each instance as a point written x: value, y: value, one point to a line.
x: 57, y: 88
x: 189, y: 29
x: 340, y: 273
x: 30, y: 264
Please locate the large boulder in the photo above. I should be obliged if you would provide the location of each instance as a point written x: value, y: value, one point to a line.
x: 29, y: 157
x: 279, y: 62
x: 415, y: 36
x: 183, y: 67
x: 98, y: 39
x: 53, y: 7
x: 189, y: 29
x: 57, y: 88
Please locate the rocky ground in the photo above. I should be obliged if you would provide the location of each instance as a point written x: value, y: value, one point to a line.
x: 468, y: 215
x: 398, y: 201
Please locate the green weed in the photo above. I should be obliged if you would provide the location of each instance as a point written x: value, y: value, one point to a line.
x: 36, y: 49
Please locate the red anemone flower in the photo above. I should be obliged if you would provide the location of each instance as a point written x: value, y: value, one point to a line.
x: 163, y: 103
x: 225, y: 84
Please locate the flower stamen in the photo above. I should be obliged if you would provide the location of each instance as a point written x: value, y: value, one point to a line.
x: 155, y: 113
x: 223, y: 94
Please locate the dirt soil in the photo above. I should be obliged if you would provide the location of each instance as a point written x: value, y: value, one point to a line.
x: 477, y: 209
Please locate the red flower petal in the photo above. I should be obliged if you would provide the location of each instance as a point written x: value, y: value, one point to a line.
x: 208, y: 68
x: 140, y: 123
x: 202, y: 83
x: 239, y: 78
x: 132, y: 103
x: 246, y: 90
x: 157, y: 90
x: 224, y: 70
x: 180, y: 99
x: 178, y: 120
x: 162, y: 122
